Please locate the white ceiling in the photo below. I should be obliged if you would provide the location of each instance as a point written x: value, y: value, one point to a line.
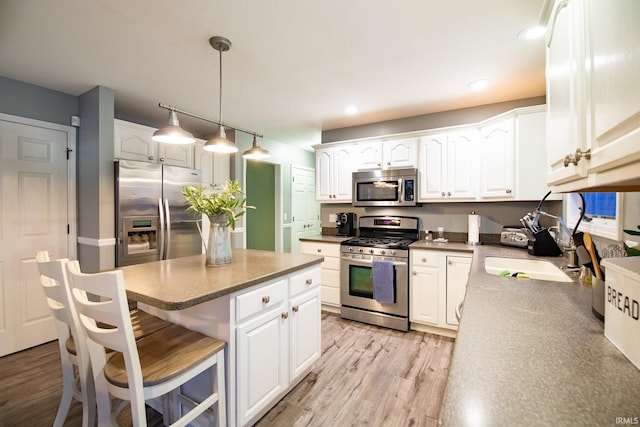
x: 293, y: 65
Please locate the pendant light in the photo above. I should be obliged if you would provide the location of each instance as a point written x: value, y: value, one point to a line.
x: 173, y: 133
x: 256, y: 152
x: 219, y: 143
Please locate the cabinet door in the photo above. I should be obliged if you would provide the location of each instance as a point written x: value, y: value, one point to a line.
x: 133, y: 142
x: 457, y: 276
x: 262, y: 361
x: 497, y: 171
x: 400, y: 154
x: 176, y: 154
x: 324, y: 174
x: 614, y: 37
x: 566, y: 92
x: 343, y: 167
x: 433, y: 156
x: 368, y: 155
x: 462, y: 166
x: 425, y: 284
x: 203, y: 162
x: 305, y: 345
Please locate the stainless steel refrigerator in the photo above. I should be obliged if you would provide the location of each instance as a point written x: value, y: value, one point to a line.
x: 151, y: 220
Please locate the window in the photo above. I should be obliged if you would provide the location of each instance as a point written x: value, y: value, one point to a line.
x: 602, y: 215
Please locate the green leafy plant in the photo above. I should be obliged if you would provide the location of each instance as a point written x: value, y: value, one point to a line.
x: 635, y: 251
x: 230, y: 202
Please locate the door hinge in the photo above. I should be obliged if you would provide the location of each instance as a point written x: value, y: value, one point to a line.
x: 293, y: 179
x: 68, y: 151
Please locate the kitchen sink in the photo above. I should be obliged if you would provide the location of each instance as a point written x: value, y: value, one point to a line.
x: 525, y: 268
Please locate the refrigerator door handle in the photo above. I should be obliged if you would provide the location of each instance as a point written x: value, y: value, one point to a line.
x: 166, y: 208
x: 162, y: 230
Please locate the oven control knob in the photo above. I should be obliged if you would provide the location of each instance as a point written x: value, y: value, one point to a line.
x: 371, y: 251
x: 382, y: 252
x: 393, y: 252
x: 350, y: 249
x: 360, y: 250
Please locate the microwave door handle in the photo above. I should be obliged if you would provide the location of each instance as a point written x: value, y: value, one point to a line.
x: 166, y: 209
x: 400, y: 190
x: 161, y: 228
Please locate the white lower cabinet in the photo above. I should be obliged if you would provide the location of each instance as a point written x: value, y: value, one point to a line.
x: 277, y: 337
x: 330, y: 269
x: 438, y: 282
x: 262, y: 362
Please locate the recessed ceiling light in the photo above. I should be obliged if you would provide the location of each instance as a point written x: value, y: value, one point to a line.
x: 533, y: 32
x: 351, y: 110
x: 479, y: 84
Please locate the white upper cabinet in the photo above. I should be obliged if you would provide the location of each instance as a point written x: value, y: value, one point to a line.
x: 497, y: 177
x: 565, y: 94
x: 513, y: 159
x: 215, y: 167
x: 334, y: 166
x: 400, y: 153
x: 448, y: 166
x: 613, y: 33
x: 367, y: 155
x: 133, y: 142
x: 593, y: 96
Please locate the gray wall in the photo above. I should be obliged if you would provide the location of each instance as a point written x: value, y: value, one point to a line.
x: 96, y: 214
x: 38, y: 103
x: 428, y: 121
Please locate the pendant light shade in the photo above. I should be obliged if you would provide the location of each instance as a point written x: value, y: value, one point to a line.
x: 173, y: 133
x: 219, y: 143
x: 256, y: 152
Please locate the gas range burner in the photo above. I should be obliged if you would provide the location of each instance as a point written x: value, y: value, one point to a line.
x: 377, y: 242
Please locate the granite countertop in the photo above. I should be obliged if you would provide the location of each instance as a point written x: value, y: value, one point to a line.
x: 180, y: 283
x: 448, y: 246
x: 531, y: 353
x: 325, y: 238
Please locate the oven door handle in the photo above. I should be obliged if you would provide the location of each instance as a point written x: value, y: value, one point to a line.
x: 369, y: 262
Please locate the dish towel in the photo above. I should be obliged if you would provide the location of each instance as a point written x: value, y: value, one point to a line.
x: 382, y: 276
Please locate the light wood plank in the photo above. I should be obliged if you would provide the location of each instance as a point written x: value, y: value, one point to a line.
x: 366, y: 376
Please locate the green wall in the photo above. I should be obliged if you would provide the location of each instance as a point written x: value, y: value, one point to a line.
x: 261, y: 222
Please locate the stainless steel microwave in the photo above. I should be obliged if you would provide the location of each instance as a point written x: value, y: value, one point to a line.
x: 389, y: 187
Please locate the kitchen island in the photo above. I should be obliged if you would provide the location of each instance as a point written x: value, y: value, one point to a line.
x: 265, y: 305
x: 531, y: 353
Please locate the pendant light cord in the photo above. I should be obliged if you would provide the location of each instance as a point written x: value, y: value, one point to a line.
x: 220, y: 86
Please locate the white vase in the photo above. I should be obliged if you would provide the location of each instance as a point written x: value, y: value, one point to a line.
x: 219, y: 246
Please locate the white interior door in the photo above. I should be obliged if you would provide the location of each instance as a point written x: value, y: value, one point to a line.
x: 34, y: 191
x: 305, y: 211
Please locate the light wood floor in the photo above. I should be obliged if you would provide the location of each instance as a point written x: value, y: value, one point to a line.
x: 366, y: 376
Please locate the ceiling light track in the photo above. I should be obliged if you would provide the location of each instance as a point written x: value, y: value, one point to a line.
x: 206, y: 119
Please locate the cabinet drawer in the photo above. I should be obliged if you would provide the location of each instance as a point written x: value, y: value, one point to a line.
x: 422, y: 258
x: 261, y: 299
x: 318, y: 248
x: 330, y: 263
x: 307, y: 279
x: 330, y: 278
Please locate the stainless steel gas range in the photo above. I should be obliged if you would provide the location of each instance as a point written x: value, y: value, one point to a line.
x: 378, y: 295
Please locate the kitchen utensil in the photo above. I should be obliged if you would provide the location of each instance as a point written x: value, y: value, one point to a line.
x: 583, y: 256
x: 588, y: 242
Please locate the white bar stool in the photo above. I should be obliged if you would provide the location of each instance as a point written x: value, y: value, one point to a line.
x: 156, y: 365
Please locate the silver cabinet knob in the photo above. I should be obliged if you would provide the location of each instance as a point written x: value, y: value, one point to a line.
x: 266, y: 299
x: 308, y: 282
x: 573, y: 159
x: 295, y: 308
x: 284, y: 315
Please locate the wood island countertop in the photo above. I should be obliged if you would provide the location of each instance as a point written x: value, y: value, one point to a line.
x: 180, y: 283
